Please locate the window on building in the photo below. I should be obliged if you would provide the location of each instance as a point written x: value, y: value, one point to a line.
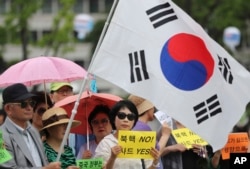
x: 33, y: 36
x: 47, y: 6
x: 46, y: 32
x: 3, y: 6
x: 78, y: 6
x: 94, y: 6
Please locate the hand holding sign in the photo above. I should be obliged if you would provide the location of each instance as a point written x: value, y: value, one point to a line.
x: 116, y: 150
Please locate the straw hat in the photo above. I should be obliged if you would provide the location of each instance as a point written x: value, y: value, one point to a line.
x: 55, y: 116
x: 141, y: 104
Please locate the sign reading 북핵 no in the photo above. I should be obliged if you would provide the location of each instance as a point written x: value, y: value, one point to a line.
x: 136, y: 144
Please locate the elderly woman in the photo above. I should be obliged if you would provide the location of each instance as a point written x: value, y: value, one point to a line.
x: 123, y: 116
x: 100, y: 126
x: 55, y: 121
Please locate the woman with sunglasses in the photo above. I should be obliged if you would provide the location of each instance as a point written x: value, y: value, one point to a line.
x: 100, y: 126
x: 123, y: 116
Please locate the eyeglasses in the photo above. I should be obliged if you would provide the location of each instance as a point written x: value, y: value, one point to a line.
x: 122, y: 115
x: 67, y: 91
x: 40, y: 111
x: 97, y: 122
x: 24, y: 104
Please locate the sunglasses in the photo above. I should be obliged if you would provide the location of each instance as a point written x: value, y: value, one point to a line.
x: 97, y: 122
x: 40, y: 111
x: 122, y: 115
x: 24, y: 104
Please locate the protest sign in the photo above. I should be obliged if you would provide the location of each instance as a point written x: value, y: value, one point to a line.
x: 237, y: 143
x: 187, y: 137
x: 136, y: 144
x: 93, y: 163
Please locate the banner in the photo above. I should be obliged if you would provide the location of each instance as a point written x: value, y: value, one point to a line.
x: 153, y: 49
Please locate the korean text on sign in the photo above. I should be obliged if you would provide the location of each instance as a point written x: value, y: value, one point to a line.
x: 94, y: 163
x: 187, y: 137
x: 136, y: 144
x: 237, y: 143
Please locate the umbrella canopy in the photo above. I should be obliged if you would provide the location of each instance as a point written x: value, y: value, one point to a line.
x: 43, y: 69
x: 87, y: 103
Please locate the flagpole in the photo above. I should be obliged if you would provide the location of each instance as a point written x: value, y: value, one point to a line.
x: 73, y: 113
x: 104, y: 31
x: 98, y: 46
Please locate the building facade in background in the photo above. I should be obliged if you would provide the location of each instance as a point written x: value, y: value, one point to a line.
x: 41, y: 24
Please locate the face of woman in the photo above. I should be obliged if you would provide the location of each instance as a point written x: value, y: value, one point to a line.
x: 124, y: 119
x: 101, y: 125
x: 57, y: 132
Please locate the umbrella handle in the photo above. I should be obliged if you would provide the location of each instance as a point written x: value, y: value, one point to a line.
x: 45, y: 95
x: 87, y: 138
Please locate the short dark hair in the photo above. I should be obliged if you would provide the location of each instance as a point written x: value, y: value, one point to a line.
x: 3, y: 113
x: 122, y: 104
x: 40, y: 98
x: 98, y: 109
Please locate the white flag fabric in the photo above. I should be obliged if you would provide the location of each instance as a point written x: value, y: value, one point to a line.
x: 153, y: 49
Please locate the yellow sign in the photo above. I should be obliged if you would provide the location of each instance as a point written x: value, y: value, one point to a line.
x: 187, y: 138
x: 236, y: 143
x: 136, y: 144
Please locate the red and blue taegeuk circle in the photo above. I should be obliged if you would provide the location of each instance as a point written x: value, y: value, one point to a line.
x: 186, y: 62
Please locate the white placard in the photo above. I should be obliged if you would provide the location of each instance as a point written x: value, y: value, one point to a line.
x: 163, y: 117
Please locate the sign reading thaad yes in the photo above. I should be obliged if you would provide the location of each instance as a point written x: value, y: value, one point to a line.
x: 153, y: 49
x: 136, y: 144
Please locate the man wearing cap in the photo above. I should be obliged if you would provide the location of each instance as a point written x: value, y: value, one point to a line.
x: 60, y: 90
x: 21, y: 139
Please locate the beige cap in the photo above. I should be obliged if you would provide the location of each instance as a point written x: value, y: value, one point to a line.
x: 55, y: 116
x: 141, y: 104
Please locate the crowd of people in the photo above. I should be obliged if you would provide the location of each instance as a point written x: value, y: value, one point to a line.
x: 33, y: 131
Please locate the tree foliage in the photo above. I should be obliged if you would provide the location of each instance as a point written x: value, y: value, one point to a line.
x: 16, y: 22
x: 216, y: 15
x: 61, y: 36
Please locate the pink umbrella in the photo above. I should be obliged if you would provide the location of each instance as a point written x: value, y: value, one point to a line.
x: 42, y: 69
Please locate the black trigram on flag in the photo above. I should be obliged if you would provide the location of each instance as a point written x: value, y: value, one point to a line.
x: 225, y: 69
x: 207, y: 109
x: 138, y: 69
x: 161, y: 14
